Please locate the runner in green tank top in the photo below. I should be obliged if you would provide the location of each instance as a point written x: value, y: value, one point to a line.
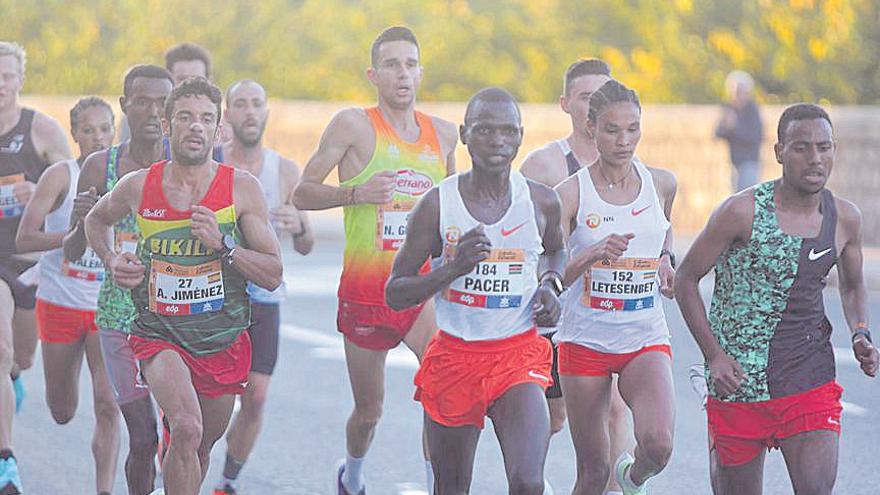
x: 145, y: 89
x: 189, y: 261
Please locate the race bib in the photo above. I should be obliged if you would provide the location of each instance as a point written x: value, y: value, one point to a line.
x: 496, y: 283
x: 126, y: 242
x: 391, y: 224
x: 88, y: 267
x: 9, y: 205
x: 628, y: 284
x: 177, y: 290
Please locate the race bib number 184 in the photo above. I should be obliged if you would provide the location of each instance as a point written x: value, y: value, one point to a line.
x: 496, y: 283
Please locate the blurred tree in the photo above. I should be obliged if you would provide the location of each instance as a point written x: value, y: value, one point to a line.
x: 669, y: 50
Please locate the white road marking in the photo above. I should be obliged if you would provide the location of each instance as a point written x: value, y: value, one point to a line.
x: 328, y: 346
x: 410, y: 489
x: 853, y: 409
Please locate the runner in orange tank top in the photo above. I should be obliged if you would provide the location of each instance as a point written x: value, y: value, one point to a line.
x: 387, y: 156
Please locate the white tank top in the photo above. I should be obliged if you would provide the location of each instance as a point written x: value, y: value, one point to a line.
x: 615, y: 307
x: 270, y: 179
x: 72, y: 284
x: 494, y: 301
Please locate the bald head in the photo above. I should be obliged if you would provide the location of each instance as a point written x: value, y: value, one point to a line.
x: 247, y: 112
x: 488, y: 96
x: 239, y: 86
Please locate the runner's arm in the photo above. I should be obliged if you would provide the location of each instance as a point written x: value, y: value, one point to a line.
x: 303, y: 237
x: 337, y: 140
x: 447, y: 132
x: 259, y: 262
x: 110, y: 209
x: 853, y: 293
x: 91, y: 175
x: 30, y: 236
x: 49, y: 138
x: 539, y: 167
x: 725, y: 227
x: 551, y: 264
x: 666, y: 184
x: 405, y: 287
x: 569, y: 197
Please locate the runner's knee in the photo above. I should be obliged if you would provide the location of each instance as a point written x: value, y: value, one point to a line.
x: 6, y: 356
x: 657, y: 446
x: 143, y: 440
x: 186, y: 430
x: 814, y: 484
x: 106, y: 411
x: 62, y: 411
x: 527, y: 483
x: 596, y: 470
x: 254, y: 400
x: 368, y: 415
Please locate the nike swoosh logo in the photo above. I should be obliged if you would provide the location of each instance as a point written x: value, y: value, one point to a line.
x: 506, y: 232
x: 636, y: 212
x: 538, y: 376
x: 813, y: 255
x: 832, y: 421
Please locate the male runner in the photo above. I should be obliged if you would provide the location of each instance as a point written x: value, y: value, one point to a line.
x: 67, y: 293
x: 145, y: 89
x: 766, y: 340
x: 388, y: 156
x: 29, y: 142
x: 187, y: 60
x: 616, y: 212
x: 498, y: 251
x: 204, y: 234
x: 550, y: 165
x: 247, y: 113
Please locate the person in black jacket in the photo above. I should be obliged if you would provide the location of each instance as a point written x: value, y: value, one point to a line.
x: 741, y: 127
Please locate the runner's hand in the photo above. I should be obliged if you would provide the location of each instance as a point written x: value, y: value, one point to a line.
x: 205, y: 228
x: 610, y: 248
x: 83, y: 203
x: 546, y: 307
x: 378, y: 190
x: 286, y: 218
x: 23, y: 191
x: 304, y: 242
x: 127, y: 270
x: 472, y: 248
x: 666, y: 274
x: 727, y: 374
x: 867, y: 355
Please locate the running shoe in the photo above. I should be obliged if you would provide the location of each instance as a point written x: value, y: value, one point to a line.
x: 548, y: 490
x: 18, y: 388
x: 9, y: 477
x: 340, y: 488
x: 158, y: 491
x: 226, y: 489
x: 697, y: 376
x: 623, y: 464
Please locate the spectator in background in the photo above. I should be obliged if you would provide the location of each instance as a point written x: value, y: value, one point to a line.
x: 741, y: 127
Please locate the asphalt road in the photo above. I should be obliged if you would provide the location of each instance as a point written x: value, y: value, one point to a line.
x: 310, y: 400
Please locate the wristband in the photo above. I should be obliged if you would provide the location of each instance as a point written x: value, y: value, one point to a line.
x: 862, y: 331
x: 555, y: 282
x: 671, y: 256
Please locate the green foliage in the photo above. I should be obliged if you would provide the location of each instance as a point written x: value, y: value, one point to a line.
x: 671, y: 51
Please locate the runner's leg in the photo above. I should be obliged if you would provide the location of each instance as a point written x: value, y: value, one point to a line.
x: 646, y: 387
x: 522, y: 425
x: 811, y: 458
x: 745, y: 479
x: 417, y: 339
x: 246, y: 425
x: 215, y: 418
x: 143, y: 439
x: 587, y: 401
x: 366, y: 373
x: 25, y: 324
x: 105, y: 441
x: 620, y: 431
x: 7, y: 396
x: 171, y: 385
x: 452, y: 452
x: 61, y: 366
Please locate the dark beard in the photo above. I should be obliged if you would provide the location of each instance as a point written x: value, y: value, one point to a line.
x: 249, y: 142
x: 182, y: 158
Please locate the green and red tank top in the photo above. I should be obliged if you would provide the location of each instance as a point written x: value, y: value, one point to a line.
x: 374, y: 233
x: 189, y: 296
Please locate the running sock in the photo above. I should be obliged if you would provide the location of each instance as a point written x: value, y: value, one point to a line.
x: 231, y: 469
x: 613, y: 493
x: 429, y: 477
x: 353, y: 474
x: 5, y: 454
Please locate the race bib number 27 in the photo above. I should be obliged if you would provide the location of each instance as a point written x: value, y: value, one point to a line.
x: 177, y: 290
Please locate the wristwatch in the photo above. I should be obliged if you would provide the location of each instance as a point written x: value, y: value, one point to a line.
x: 862, y: 331
x: 555, y: 281
x: 227, y: 248
x: 671, y: 256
